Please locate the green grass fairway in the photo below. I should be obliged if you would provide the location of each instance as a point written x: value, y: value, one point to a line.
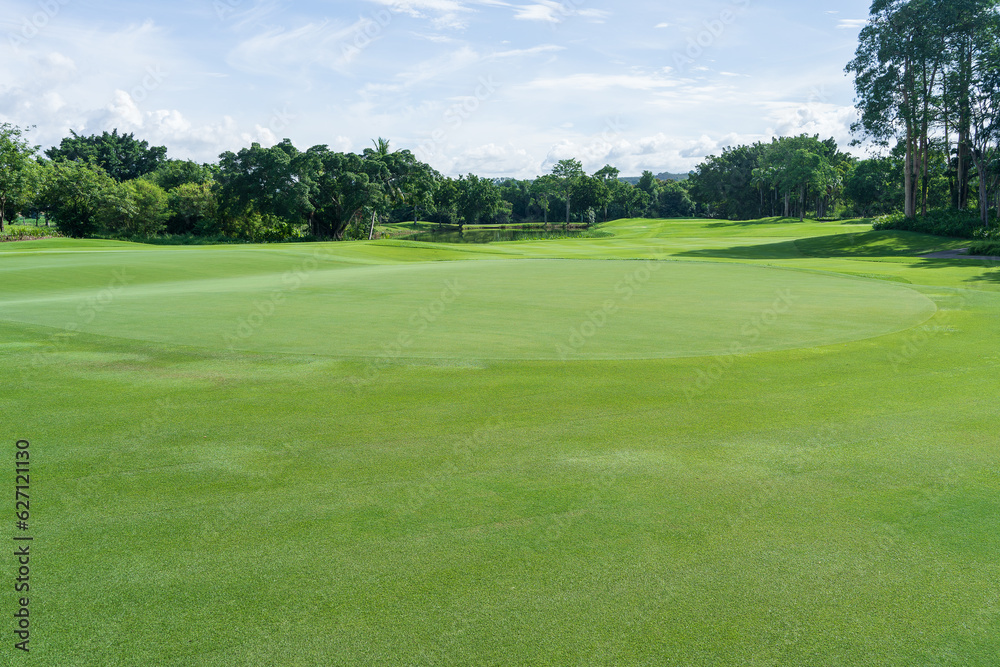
x: 473, y: 310
x: 691, y: 443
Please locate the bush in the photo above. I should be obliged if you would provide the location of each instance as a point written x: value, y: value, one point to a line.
x: 944, y: 222
x: 17, y: 233
x: 988, y: 248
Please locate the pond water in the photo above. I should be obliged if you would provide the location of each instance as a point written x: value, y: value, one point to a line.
x: 494, y: 235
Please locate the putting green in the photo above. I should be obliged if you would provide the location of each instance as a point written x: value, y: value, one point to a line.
x: 469, y: 310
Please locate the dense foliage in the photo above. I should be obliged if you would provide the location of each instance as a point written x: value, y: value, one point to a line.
x: 958, y: 224
x: 926, y: 72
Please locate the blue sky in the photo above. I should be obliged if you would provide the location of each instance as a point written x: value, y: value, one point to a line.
x: 492, y: 87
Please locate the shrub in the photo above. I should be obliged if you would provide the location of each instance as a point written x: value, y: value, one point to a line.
x: 988, y: 248
x: 18, y: 233
x: 943, y: 222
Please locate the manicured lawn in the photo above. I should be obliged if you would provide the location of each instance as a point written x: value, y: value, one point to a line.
x: 319, y: 455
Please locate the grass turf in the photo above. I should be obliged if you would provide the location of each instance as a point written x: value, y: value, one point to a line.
x: 305, y: 495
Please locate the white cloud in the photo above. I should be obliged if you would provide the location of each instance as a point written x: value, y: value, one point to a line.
x: 852, y: 24
x: 826, y: 120
x: 548, y: 48
x: 556, y: 12
x: 600, y: 82
x: 443, y: 13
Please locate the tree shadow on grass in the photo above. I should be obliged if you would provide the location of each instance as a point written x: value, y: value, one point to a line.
x: 783, y: 250
x: 770, y: 222
x: 988, y: 275
x: 858, y: 245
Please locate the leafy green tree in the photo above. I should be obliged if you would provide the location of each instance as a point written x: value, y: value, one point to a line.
x: 193, y: 209
x: 648, y: 183
x: 873, y: 186
x: 609, y: 175
x: 804, y: 169
x: 674, y: 201
x: 175, y: 173
x: 566, y: 173
x: 74, y: 197
x: 37, y: 173
x: 543, y: 189
x: 15, y: 170
x: 517, y: 194
x: 147, y: 207
x: 446, y: 202
x: 478, y: 198
x: 919, y: 65
x: 404, y: 181
x: 723, y: 185
x: 636, y: 200
x: 343, y: 190
x: 984, y: 108
x: 122, y: 156
x: 421, y: 185
x: 589, y: 193
x: 275, y: 183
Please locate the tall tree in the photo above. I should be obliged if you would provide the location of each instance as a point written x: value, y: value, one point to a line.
x: 889, y: 70
x: 609, y: 175
x: 916, y: 68
x: 984, y: 107
x: 543, y: 189
x: 343, y: 190
x: 566, y: 173
x: 15, y: 156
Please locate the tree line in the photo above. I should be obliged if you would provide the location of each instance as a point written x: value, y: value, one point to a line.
x: 114, y: 184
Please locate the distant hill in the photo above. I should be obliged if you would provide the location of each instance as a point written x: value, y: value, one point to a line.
x: 665, y: 176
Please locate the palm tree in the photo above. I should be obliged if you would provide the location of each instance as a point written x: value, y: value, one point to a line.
x: 381, y: 147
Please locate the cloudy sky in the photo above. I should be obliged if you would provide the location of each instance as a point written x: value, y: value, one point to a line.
x: 493, y: 87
